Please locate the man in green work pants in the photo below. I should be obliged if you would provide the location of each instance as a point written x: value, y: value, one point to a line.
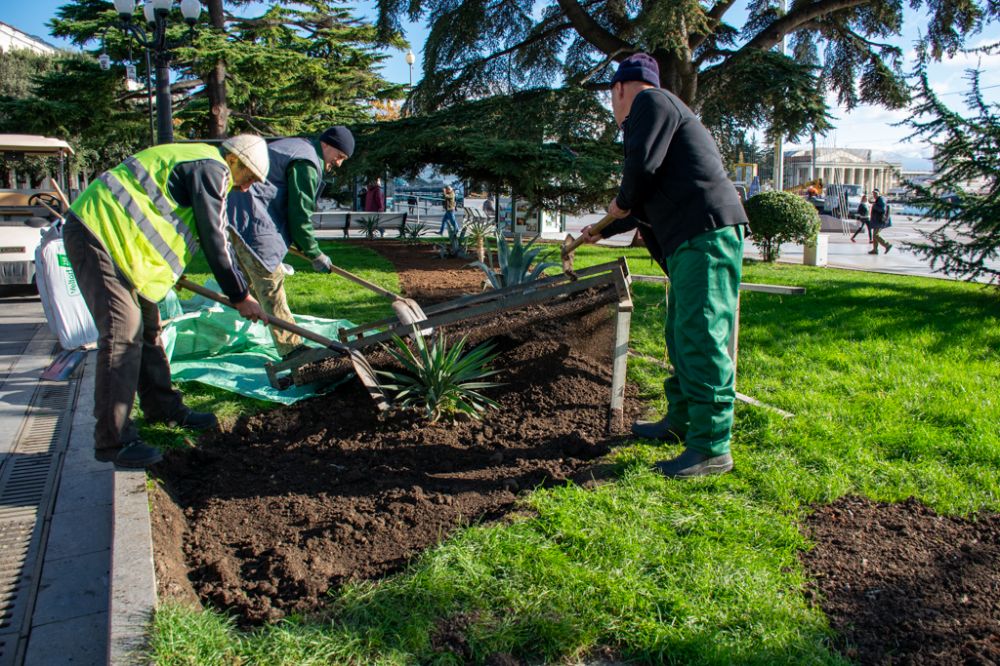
x: 675, y: 191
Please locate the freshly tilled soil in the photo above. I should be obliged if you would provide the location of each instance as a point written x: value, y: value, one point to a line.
x: 903, y: 585
x: 264, y: 519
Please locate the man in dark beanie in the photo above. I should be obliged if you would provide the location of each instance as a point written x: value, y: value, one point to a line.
x: 675, y: 191
x: 277, y: 213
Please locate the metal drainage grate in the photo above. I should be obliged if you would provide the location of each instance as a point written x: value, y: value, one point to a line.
x: 27, y: 485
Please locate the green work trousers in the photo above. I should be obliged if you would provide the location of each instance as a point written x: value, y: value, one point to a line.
x: 701, y: 311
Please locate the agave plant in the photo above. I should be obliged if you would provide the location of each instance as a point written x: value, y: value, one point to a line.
x: 412, y: 231
x: 479, y: 229
x: 439, y: 379
x: 514, y: 263
x: 370, y: 226
x: 455, y: 247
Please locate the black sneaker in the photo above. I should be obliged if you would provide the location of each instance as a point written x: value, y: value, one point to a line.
x: 888, y: 247
x: 691, y: 463
x: 107, y: 454
x: 199, y: 421
x: 661, y: 430
x: 192, y: 420
x: 137, y: 454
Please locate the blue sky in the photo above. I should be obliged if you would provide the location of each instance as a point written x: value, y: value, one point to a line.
x: 865, y: 127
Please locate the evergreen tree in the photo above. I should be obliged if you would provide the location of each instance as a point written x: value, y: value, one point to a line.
x: 296, y: 68
x: 554, y: 148
x: 727, y: 73
x: 965, y: 191
x: 69, y: 97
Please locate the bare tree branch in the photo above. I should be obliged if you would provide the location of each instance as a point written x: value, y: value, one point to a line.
x: 797, y: 19
x: 592, y: 31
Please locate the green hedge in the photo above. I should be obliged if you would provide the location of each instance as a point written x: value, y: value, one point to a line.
x: 780, y: 217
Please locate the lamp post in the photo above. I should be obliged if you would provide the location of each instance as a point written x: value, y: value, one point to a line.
x: 156, y: 13
x: 410, y: 59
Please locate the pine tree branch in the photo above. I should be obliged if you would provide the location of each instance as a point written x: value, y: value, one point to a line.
x: 714, y: 15
x: 797, y: 19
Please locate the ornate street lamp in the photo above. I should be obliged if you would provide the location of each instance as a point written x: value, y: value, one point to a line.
x: 156, y: 13
x: 410, y: 59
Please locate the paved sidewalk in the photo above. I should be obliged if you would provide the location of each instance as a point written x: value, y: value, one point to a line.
x: 58, y: 613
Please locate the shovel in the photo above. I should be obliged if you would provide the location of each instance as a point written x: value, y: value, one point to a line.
x: 569, y: 246
x: 361, y: 366
x: 407, y: 310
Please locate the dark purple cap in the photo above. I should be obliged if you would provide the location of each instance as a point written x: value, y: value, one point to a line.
x: 340, y: 138
x: 638, y: 67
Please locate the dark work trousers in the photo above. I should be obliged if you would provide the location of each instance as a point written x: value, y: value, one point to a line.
x: 130, y: 356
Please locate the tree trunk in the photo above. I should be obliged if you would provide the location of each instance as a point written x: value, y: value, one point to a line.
x: 215, y: 82
x: 678, y: 76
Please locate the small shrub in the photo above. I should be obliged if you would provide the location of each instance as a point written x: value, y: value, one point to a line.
x: 514, y: 263
x: 780, y: 217
x: 440, y: 380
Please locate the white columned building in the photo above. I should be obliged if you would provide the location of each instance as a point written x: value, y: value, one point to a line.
x: 842, y: 166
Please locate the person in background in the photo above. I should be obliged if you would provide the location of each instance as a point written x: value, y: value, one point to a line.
x: 374, y: 197
x: 488, y: 208
x: 448, y: 202
x: 276, y: 214
x: 862, y: 215
x: 675, y: 190
x: 128, y: 237
x: 878, y: 220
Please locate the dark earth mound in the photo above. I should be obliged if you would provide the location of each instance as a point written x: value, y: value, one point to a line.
x: 262, y: 520
x: 903, y: 585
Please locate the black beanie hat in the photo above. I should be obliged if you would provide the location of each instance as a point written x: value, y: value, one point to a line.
x: 638, y: 67
x: 339, y: 137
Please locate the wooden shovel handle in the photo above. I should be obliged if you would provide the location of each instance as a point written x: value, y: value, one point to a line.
x: 352, y: 277
x: 578, y: 241
x: 268, y: 319
x: 59, y: 192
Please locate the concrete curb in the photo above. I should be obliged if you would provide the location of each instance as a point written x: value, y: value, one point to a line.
x: 131, y: 583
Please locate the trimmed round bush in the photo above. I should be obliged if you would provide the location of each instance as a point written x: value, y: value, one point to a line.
x: 780, y: 217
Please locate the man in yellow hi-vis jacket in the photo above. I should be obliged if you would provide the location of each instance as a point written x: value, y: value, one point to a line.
x: 129, y: 236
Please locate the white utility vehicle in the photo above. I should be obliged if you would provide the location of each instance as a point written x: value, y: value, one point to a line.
x: 23, y: 217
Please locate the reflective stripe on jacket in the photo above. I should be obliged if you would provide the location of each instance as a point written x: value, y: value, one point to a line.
x: 150, y: 237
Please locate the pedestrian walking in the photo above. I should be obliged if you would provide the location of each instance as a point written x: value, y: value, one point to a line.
x: 879, y: 219
x: 448, y: 202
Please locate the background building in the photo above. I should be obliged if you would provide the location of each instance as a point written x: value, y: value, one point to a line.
x: 11, y: 38
x: 843, y: 166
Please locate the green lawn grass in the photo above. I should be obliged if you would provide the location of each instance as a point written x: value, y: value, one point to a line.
x: 892, y: 383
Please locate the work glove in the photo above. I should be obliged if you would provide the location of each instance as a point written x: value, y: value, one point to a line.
x: 322, y: 264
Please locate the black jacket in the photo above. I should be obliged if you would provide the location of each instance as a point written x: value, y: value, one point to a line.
x: 673, y: 179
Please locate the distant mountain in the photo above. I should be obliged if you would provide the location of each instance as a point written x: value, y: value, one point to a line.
x: 910, y: 163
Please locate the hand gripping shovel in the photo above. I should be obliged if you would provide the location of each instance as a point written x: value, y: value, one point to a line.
x: 361, y: 366
x: 407, y: 310
x: 569, y: 246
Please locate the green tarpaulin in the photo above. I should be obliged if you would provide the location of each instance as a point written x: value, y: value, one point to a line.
x: 213, y: 345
